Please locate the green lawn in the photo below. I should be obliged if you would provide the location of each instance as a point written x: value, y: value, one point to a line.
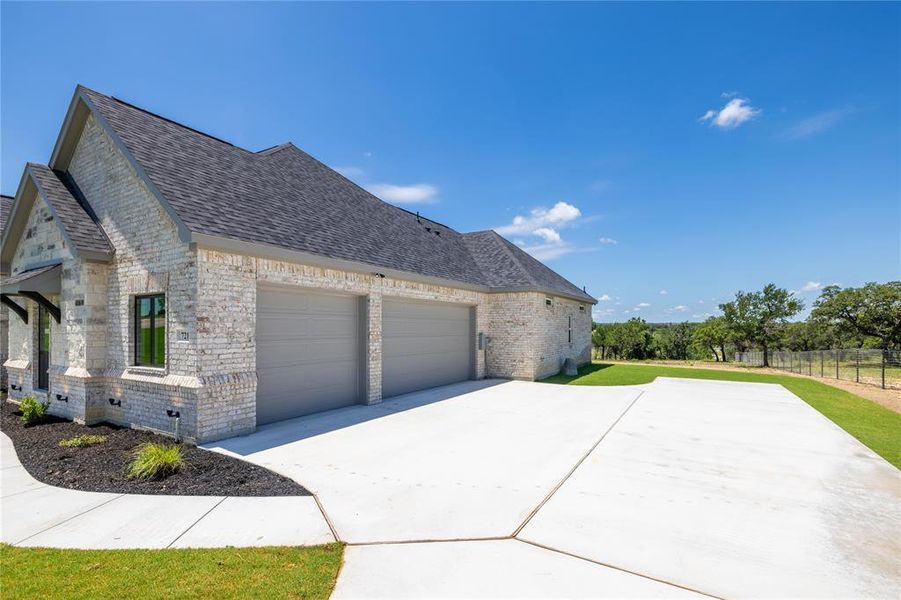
x: 876, y: 426
x: 288, y: 572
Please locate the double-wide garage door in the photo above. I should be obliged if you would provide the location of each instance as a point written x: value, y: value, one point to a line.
x: 310, y: 349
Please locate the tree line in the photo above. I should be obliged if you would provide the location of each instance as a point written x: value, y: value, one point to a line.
x: 864, y: 317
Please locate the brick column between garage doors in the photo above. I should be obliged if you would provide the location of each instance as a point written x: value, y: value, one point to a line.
x: 373, y: 359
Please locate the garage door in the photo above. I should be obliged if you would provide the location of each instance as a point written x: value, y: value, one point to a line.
x: 424, y: 344
x: 308, y: 352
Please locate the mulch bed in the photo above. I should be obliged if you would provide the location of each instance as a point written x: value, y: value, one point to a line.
x: 101, y: 467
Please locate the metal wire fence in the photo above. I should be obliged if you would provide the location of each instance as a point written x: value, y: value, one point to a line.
x: 874, y: 367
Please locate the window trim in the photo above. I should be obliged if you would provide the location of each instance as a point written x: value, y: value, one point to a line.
x: 136, y: 330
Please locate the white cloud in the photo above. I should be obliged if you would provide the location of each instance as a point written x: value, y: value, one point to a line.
x: 700, y: 302
x: 350, y: 171
x: 550, y: 236
x: 602, y: 312
x: 544, y: 223
x: 549, y: 251
x: 641, y: 305
x: 811, y: 286
x: 680, y: 308
x: 663, y: 292
x: 604, y: 298
x: 736, y: 112
x: 418, y: 193
x: 816, y: 124
x: 558, y: 216
x: 607, y: 241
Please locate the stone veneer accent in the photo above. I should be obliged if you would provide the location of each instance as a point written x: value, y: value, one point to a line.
x: 210, y: 375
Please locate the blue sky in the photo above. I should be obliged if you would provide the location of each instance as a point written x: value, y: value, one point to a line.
x: 662, y: 155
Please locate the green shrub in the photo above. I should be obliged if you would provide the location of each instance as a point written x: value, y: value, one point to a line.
x: 80, y: 441
x: 33, y: 412
x: 155, y: 461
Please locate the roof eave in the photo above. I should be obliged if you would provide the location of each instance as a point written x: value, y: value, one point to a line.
x: 234, y: 246
x: 15, y: 222
x: 545, y: 290
x: 29, y: 189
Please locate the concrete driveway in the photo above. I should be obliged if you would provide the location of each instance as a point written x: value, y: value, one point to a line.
x: 679, y: 487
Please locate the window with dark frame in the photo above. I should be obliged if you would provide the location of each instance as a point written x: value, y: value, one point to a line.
x: 569, y: 329
x: 150, y: 331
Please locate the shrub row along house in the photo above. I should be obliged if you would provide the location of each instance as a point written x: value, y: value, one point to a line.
x: 153, y: 272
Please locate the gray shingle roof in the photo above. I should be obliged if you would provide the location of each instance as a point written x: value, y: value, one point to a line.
x: 506, y: 265
x: 6, y: 204
x: 80, y: 228
x: 284, y: 197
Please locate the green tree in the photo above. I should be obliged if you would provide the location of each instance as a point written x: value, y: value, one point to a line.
x: 757, y: 317
x: 632, y: 339
x: 872, y: 310
x: 712, y: 334
x: 601, y: 338
x: 674, y: 341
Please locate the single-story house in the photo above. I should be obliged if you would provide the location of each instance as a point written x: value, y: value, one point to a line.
x: 157, y: 274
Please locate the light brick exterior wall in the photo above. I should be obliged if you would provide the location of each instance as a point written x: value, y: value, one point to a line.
x: 210, y: 375
x: 510, y: 325
x: 530, y: 340
x: 552, y: 339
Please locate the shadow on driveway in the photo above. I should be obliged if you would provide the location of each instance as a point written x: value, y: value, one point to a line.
x: 277, y: 434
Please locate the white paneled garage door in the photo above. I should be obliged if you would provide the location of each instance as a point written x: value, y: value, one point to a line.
x: 424, y: 344
x: 309, y: 352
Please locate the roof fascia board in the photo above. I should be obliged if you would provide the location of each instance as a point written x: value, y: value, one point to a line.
x: 60, y: 160
x: 223, y: 244
x: 72, y: 247
x: 15, y: 222
x: 543, y: 290
x: 69, y: 133
x: 214, y: 242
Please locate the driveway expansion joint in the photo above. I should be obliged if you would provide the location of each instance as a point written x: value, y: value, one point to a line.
x: 212, y: 508
x: 55, y: 525
x: 328, y: 521
x: 609, y: 566
x: 554, y: 490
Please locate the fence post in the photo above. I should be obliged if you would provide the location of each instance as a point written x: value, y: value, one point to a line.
x: 883, y: 368
x: 810, y: 363
x: 822, y: 363
x: 857, y: 378
x: 836, y: 363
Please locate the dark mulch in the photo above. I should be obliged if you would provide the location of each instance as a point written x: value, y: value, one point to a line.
x: 101, y: 467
